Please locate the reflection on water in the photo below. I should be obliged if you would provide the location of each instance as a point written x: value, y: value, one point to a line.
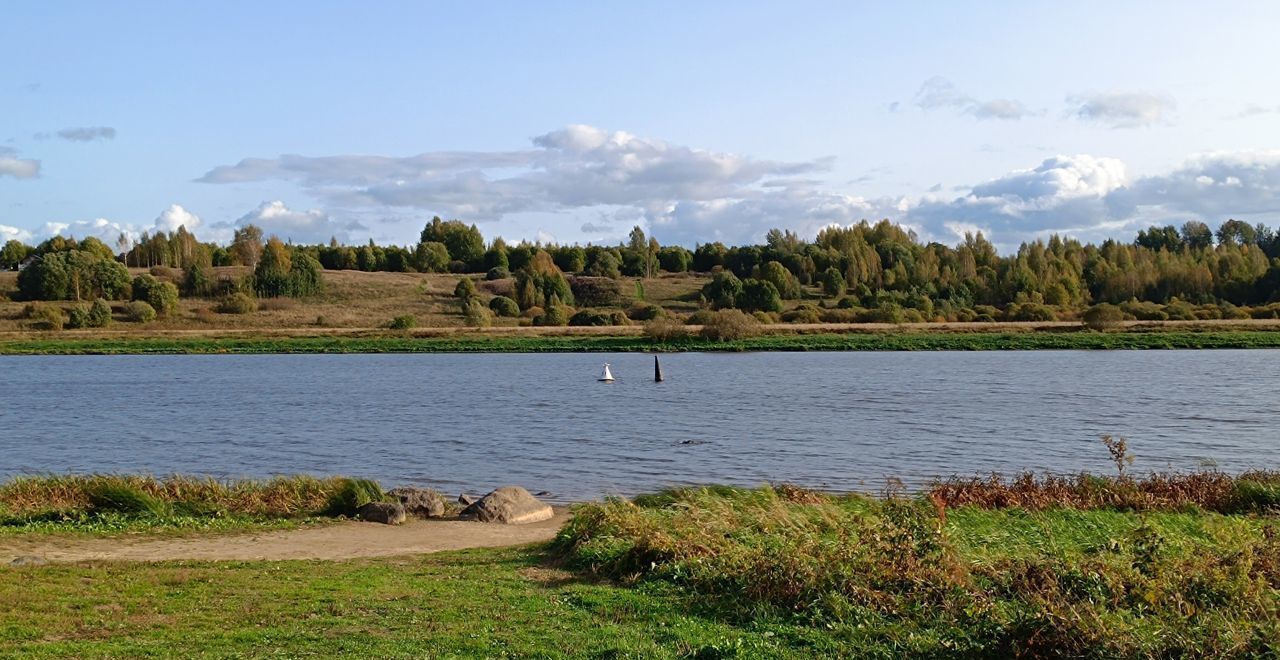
x: 831, y: 420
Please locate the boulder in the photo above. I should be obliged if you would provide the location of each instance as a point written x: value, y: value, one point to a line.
x: 420, y: 502
x: 387, y: 513
x: 510, y: 505
x: 466, y: 500
x: 29, y: 560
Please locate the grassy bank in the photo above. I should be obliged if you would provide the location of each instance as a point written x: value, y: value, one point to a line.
x: 131, y: 503
x: 1169, y: 565
x: 864, y: 341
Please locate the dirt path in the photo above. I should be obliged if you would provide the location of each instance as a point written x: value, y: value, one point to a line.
x: 345, y: 540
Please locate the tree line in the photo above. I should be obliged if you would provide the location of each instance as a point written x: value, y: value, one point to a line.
x: 867, y: 265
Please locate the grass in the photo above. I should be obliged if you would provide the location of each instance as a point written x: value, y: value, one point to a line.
x: 133, y: 503
x: 717, y: 572
x: 499, y: 343
x: 897, y: 577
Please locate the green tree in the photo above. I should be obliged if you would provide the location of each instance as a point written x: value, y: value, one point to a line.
x: 464, y: 243
x: 833, y: 282
x: 246, y: 246
x: 759, y: 296
x: 12, y: 254
x: 431, y: 257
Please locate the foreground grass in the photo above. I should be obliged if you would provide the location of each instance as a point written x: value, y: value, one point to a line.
x: 1162, y: 566
x: 861, y: 341
x: 492, y: 603
x: 910, y: 578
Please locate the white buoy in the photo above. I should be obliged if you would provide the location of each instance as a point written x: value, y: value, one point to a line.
x: 606, y: 377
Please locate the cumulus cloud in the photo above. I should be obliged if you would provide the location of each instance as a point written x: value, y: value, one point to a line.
x: 577, y: 169
x: 938, y: 93
x: 8, y: 233
x: 18, y: 168
x: 174, y: 217
x: 1093, y: 198
x: 1122, y: 109
x: 312, y: 226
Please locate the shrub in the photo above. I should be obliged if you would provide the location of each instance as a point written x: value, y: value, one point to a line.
x: 403, y: 322
x: 140, y: 312
x: 99, y: 314
x: 276, y: 304
x: 554, y: 315
x: 196, y: 282
x: 78, y: 317
x: 504, y: 306
x: 700, y: 317
x: 465, y: 290
x: 1102, y: 316
x: 833, y: 282
x: 477, y: 315
x: 759, y: 296
x: 803, y: 314
x: 730, y: 325
x: 589, y: 317
x: 353, y: 494
x: 43, y: 317
x: 497, y: 273
x: 665, y: 329
x: 237, y: 303
x: 645, y: 312
x: 595, y: 291
x: 1029, y: 312
x: 163, y: 297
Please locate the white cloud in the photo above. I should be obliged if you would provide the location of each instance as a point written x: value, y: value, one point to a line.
x: 312, y: 226
x: 1122, y: 109
x: 939, y: 93
x: 18, y: 168
x: 575, y: 169
x: 1214, y: 185
x: 174, y: 217
x: 8, y: 233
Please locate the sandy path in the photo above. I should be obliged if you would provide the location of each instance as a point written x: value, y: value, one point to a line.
x: 344, y: 540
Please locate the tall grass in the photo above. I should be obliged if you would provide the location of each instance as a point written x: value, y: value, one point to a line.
x: 892, y: 578
x: 279, y: 497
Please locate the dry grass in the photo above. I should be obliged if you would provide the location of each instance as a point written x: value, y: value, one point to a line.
x: 277, y: 497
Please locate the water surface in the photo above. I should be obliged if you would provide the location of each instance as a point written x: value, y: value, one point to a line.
x: 830, y: 420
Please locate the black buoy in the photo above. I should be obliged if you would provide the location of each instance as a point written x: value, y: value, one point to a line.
x: 657, y: 370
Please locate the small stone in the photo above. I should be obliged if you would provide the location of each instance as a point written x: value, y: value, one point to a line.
x: 387, y: 513
x: 420, y: 502
x: 29, y: 560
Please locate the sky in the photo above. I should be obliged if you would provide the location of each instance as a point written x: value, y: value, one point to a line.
x: 575, y: 121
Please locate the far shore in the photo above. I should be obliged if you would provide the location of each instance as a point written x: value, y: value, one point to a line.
x: 1215, y: 334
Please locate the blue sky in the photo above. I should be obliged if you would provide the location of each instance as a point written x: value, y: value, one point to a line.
x: 575, y: 121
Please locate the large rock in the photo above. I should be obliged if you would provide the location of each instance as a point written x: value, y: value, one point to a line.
x: 510, y: 505
x: 29, y: 560
x: 420, y: 502
x: 387, y: 513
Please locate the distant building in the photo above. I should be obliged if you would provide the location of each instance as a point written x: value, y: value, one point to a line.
x: 22, y: 265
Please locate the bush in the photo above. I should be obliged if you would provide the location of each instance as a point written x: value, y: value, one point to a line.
x: 43, y: 317
x: 665, y: 329
x: 1102, y: 316
x: 353, y: 494
x: 140, y: 312
x: 465, y: 290
x: 803, y: 314
x: 759, y: 296
x: 403, y: 322
x: 237, y: 303
x: 589, y: 317
x: 1029, y: 312
x: 497, y: 273
x: 477, y: 315
x: 595, y: 291
x: 554, y: 315
x: 99, y: 314
x: 645, y: 312
x: 700, y: 317
x: 730, y: 325
x: 504, y: 306
x: 163, y: 298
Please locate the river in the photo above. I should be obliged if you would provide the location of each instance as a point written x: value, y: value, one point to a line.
x: 840, y: 421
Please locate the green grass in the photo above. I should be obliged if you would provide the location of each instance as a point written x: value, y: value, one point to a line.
x: 870, y: 341
x: 490, y: 603
x: 712, y: 572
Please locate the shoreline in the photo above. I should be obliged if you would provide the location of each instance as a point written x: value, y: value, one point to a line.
x: 1140, y: 337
